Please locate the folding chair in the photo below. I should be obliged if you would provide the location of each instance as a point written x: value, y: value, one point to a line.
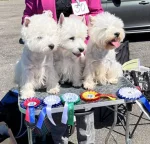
x: 142, y: 81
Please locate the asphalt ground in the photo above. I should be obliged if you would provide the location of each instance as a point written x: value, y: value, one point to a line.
x: 10, y: 51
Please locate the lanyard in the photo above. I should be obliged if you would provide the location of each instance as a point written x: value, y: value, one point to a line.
x: 78, y: 2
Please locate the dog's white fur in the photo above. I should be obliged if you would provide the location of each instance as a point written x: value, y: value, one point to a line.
x: 35, y: 68
x: 101, y: 65
x: 67, y: 63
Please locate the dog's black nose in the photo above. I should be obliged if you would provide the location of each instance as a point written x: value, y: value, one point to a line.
x: 117, y: 34
x: 51, y: 46
x: 81, y: 49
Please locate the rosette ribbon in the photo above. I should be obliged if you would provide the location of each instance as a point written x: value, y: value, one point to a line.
x: 30, y: 104
x: 68, y: 113
x: 145, y: 102
x: 91, y: 96
x: 133, y: 94
x: 129, y: 93
x: 50, y: 102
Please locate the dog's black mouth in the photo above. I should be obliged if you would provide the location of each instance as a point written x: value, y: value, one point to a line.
x: 77, y: 54
x: 115, y: 42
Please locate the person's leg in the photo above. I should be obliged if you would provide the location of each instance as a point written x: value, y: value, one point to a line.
x: 85, y: 127
x: 59, y: 132
x: 6, y: 132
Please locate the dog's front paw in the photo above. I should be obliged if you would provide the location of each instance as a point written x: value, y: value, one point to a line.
x: 102, y: 80
x: 77, y: 85
x: 54, y: 90
x: 27, y: 94
x: 89, y: 86
x: 113, y: 81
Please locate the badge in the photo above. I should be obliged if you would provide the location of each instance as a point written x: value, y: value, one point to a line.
x: 80, y: 8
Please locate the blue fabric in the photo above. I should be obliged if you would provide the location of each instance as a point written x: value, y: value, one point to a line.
x: 10, y: 98
x: 145, y: 102
x: 9, y: 110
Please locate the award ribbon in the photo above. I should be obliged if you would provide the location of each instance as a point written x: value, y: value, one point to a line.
x: 92, y: 96
x: 129, y: 93
x: 145, y: 102
x: 110, y: 96
x: 68, y: 113
x: 30, y: 104
x: 50, y: 102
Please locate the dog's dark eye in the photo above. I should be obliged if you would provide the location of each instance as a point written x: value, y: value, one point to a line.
x: 72, y: 38
x: 39, y: 37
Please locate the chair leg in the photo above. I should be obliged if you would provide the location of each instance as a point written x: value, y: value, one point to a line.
x: 131, y: 135
x: 127, y: 133
x: 114, y: 124
x: 30, y: 141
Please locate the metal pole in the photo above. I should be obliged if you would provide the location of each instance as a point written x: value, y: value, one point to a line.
x: 113, y: 125
x: 127, y: 133
x: 30, y: 141
x: 131, y: 135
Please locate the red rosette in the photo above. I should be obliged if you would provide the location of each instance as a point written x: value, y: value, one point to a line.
x: 90, y: 96
x: 31, y: 102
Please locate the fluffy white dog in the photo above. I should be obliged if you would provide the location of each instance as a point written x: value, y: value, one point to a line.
x: 68, y: 57
x: 35, y: 68
x: 106, y: 32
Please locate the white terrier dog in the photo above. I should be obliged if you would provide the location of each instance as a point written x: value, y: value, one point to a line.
x: 106, y: 32
x: 35, y: 68
x: 68, y: 57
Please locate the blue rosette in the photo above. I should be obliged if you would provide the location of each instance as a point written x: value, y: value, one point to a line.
x: 69, y: 99
x: 50, y: 102
x: 129, y: 93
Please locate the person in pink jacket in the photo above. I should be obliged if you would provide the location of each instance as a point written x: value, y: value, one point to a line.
x: 58, y: 6
x: 84, y: 119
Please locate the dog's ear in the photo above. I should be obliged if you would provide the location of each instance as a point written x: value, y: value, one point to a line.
x: 61, y: 19
x: 91, y: 20
x: 27, y: 21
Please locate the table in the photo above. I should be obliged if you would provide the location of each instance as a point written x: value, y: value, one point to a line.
x: 108, y: 89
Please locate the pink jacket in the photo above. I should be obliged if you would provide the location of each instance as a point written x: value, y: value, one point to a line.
x: 37, y: 7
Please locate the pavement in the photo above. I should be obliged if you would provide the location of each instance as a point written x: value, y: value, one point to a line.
x: 10, y: 24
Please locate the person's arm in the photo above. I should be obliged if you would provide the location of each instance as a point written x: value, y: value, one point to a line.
x: 95, y: 7
x: 30, y: 8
